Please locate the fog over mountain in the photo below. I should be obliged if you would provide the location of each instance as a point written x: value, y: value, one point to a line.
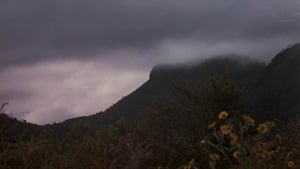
x: 60, y: 58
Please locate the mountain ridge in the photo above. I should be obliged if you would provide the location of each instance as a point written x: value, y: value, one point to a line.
x: 247, y: 73
x: 267, y: 88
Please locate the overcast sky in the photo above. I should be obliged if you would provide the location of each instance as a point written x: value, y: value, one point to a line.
x: 66, y: 58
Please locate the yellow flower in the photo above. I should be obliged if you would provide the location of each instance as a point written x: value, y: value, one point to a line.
x: 233, y: 140
x: 262, y: 128
x: 214, y: 156
x: 291, y: 164
x: 236, y: 154
x: 249, y: 120
x: 213, y: 124
x: 225, y: 129
x: 223, y: 115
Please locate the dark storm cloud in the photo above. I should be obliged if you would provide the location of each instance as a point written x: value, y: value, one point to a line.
x: 35, y: 30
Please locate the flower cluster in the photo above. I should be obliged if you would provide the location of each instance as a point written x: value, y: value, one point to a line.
x: 234, y: 141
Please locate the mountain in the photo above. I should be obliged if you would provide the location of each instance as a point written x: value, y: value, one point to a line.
x: 267, y: 90
x: 279, y: 86
x: 160, y: 87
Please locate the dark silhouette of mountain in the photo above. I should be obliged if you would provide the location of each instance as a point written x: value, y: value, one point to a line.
x: 279, y: 86
x: 268, y: 90
x: 160, y: 87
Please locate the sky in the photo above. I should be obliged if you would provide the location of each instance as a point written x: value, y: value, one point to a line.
x: 61, y: 59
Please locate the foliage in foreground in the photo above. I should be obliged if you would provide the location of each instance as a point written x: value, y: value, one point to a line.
x: 245, y: 145
x: 227, y: 145
x: 174, y: 136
